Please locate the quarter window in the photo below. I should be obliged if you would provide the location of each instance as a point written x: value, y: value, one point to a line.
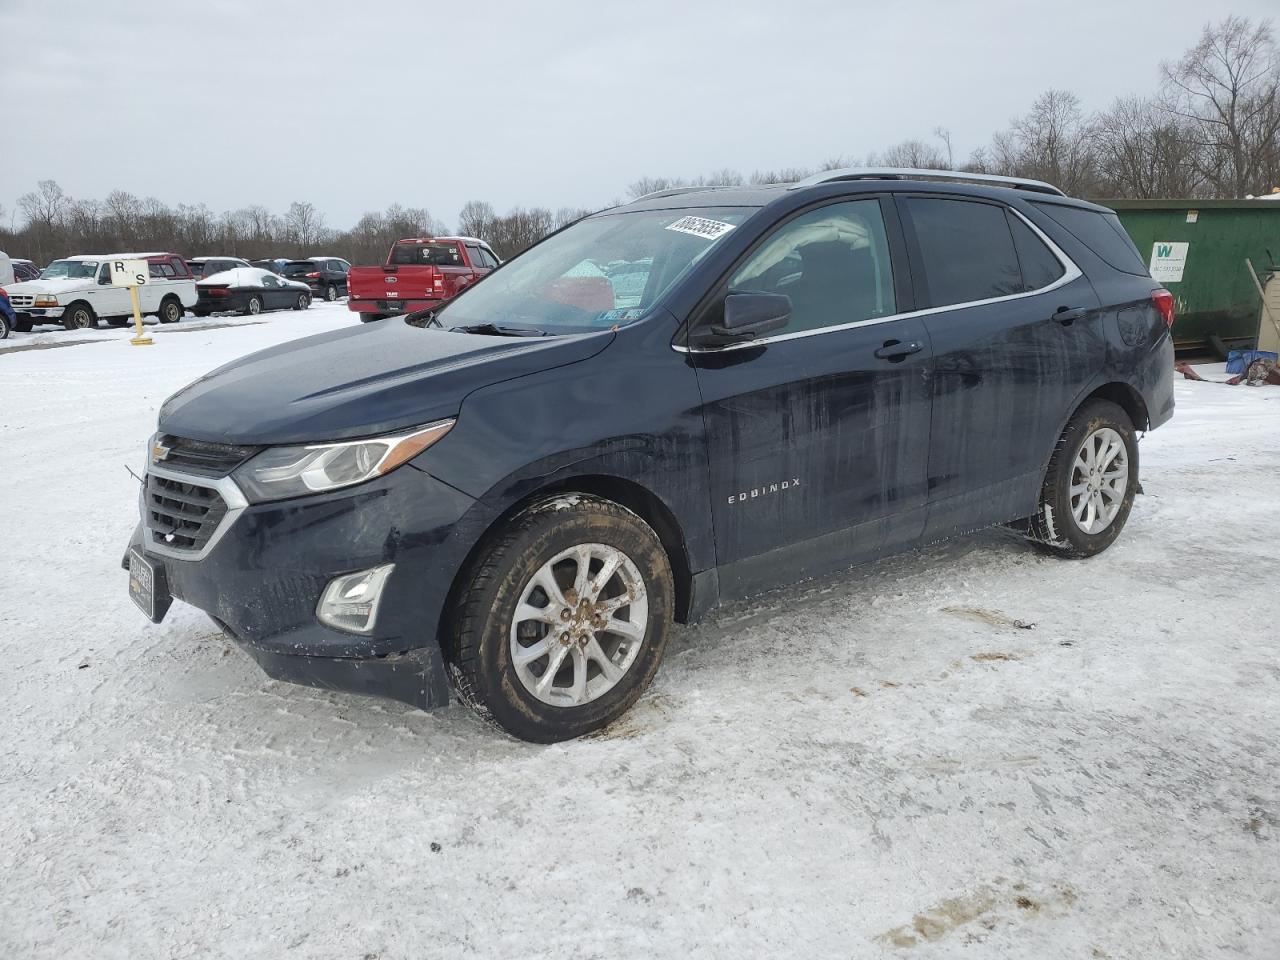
x: 1039, y: 266
x: 967, y: 250
x: 833, y: 262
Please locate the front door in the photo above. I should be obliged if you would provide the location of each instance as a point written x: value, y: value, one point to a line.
x: 1016, y: 334
x: 818, y: 434
x: 109, y: 300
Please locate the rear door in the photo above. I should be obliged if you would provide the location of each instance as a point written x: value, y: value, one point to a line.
x: 818, y: 434
x: 1016, y: 333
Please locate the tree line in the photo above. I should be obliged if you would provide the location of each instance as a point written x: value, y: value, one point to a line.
x: 1211, y: 130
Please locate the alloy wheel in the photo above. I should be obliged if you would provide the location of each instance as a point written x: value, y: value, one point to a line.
x: 1099, y: 480
x: 579, y: 625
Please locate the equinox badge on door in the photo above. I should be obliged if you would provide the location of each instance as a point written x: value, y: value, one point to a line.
x: 764, y: 490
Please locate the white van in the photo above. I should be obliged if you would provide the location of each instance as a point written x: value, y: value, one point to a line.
x: 77, y: 292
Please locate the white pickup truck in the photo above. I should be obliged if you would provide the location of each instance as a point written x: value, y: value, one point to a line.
x: 77, y: 292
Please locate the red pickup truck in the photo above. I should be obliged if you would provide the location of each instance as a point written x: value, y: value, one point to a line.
x: 420, y: 272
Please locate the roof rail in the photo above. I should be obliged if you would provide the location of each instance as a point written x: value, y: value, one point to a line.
x: 910, y: 173
x: 676, y: 191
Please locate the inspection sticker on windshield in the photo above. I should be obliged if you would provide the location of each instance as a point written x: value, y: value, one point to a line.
x: 701, y: 227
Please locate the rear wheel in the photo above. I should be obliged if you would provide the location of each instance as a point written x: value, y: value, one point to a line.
x: 564, y: 619
x: 1090, y: 484
x: 331, y: 293
x: 254, y: 307
x: 170, y: 310
x: 4, y: 327
x: 79, y: 316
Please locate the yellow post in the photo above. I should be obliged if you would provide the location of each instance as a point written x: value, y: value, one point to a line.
x: 138, y: 340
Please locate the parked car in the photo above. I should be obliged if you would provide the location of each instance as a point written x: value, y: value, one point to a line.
x: 326, y: 276
x: 24, y: 270
x: 7, y: 316
x: 275, y: 266
x: 519, y: 493
x: 206, y: 266
x: 6, y: 269
x: 77, y: 292
x: 249, y: 290
x: 420, y: 273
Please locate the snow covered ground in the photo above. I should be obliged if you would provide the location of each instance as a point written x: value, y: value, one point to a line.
x: 883, y: 763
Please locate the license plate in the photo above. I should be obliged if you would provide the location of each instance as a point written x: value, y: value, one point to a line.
x: 148, y: 587
x: 393, y: 307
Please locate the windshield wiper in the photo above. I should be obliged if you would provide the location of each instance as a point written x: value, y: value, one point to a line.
x: 494, y: 330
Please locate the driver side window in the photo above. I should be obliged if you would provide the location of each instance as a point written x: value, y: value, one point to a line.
x: 833, y: 263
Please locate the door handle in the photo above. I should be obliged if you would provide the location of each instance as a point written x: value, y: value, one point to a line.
x: 1068, y: 315
x: 895, y: 351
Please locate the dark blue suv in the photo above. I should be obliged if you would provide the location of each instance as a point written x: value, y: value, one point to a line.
x: 515, y: 495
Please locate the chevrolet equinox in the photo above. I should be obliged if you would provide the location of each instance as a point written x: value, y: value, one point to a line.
x: 690, y: 398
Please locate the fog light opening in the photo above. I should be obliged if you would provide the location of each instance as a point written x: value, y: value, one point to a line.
x: 350, y: 602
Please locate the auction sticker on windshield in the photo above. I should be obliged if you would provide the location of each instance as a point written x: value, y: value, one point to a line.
x: 701, y: 227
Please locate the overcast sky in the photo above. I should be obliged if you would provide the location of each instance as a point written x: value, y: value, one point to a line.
x: 357, y: 105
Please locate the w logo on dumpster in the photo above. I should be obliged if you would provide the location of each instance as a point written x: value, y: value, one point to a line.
x: 1164, y: 250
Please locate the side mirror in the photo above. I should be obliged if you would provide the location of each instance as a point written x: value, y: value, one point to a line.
x: 747, y: 316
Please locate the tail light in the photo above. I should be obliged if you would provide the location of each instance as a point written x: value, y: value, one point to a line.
x: 1163, y: 300
x: 314, y: 276
x: 2, y: 292
x: 437, y: 285
x: 216, y: 292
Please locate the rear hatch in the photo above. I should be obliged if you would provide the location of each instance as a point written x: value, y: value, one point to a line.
x: 306, y: 271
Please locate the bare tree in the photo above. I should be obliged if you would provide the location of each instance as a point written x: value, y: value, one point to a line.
x: 1052, y: 142
x: 1227, y: 89
x: 1141, y: 150
x: 305, y: 224
x: 476, y: 219
x: 914, y: 154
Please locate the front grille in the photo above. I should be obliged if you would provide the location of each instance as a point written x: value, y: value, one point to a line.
x: 202, y: 457
x: 22, y: 299
x: 182, y: 516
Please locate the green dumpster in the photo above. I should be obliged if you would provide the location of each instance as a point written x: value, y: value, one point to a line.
x: 1197, y: 249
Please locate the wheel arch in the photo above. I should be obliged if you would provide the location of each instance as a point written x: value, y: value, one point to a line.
x: 626, y: 493
x: 1125, y: 397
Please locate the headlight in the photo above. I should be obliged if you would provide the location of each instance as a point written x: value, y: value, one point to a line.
x: 46, y: 300
x: 278, y: 473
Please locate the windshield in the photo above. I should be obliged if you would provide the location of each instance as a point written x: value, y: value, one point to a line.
x: 70, y: 270
x: 601, y: 271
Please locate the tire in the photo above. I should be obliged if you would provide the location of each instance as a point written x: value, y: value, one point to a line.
x: 302, y: 302
x: 253, y: 307
x: 371, y: 317
x: 22, y: 326
x: 4, y: 327
x: 117, y: 321
x: 79, y: 316
x: 170, y: 310
x: 483, y: 628
x: 331, y: 293
x: 1058, y: 526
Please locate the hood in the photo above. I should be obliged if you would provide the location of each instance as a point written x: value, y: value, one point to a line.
x: 56, y: 286
x: 358, y: 382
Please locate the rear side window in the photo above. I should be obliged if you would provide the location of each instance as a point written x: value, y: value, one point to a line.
x: 1039, y: 266
x: 1101, y: 233
x: 967, y: 249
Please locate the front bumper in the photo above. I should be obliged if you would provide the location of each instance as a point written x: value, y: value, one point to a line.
x: 387, y: 307
x: 263, y: 575
x: 41, y: 314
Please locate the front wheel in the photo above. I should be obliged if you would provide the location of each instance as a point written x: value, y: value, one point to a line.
x: 80, y: 316
x: 302, y: 302
x: 564, y: 620
x: 1090, y: 484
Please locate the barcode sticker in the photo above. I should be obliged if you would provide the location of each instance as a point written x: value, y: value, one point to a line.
x: 701, y: 227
